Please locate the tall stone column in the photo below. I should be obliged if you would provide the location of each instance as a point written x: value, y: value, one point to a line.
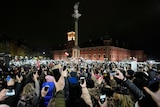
x: 76, y: 15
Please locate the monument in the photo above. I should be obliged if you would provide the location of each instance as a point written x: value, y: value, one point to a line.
x: 76, y: 15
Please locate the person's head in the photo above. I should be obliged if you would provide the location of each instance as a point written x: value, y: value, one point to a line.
x: 90, y: 83
x: 140, y: 79
x: 130, y: 74
x: 75, y: 91
x: 108, y: 91
x: 123, y: 100
x: 28, y: 89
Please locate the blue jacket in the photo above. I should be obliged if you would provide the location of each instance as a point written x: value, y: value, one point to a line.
x: 50, y: 92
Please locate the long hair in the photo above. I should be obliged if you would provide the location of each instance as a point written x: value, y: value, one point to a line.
x: 27, y: 96
x: 123, y: 100
x: 28, y: 89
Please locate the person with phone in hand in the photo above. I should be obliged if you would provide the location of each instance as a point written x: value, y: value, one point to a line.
x: 103, y: 103
x: 30, y: 93
x: 11, y: 91
x: 44, y: 92
x: 58, y: 100
x: 85, y: 93
x: 48, y: 86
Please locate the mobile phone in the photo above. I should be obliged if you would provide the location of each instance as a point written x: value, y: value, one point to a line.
x: 46, y: 88
x: 56, y: 74
x: 112, y: 73
x: 10, y: 92
x: 102, y: 98
x: 82, y: 80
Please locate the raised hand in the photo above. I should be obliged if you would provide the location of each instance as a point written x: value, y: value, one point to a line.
x: 43, y: 92
x: 3, y: 94
x: 155, y: 95
x: 103, y: 104
x: 19, y: 79
x: 60, y: 84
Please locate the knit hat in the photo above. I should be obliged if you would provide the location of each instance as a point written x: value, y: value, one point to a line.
x: 49, y: 78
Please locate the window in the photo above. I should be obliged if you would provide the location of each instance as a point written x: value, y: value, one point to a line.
x: 99, y: 56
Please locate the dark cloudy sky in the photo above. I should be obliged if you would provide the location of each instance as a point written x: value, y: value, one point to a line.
x: 46, y: 22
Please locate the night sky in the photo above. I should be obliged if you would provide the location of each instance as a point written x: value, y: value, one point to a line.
x: 45, y: 23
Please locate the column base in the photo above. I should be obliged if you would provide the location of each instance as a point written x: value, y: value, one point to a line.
x: 76, y: 52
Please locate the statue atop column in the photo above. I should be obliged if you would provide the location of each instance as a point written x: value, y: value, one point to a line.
x: 76, y: 6
x: 76, y: 15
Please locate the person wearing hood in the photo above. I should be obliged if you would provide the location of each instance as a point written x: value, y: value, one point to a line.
x: 51, y: 86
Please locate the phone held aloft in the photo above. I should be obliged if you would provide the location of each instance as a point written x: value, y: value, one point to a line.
x: 46, y: 88
x: 10, y: 92
x: 102, y: 98
x: 82, y: 80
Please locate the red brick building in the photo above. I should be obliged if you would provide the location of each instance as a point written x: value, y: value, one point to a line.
x: 105, y: 52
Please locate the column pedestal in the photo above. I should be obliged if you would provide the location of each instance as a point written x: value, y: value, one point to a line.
x: 76, y: 52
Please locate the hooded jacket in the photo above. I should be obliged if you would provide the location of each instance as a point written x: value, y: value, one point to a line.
x: 50, y: 93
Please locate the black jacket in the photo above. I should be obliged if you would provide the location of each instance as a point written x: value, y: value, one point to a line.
x: 143, y: 98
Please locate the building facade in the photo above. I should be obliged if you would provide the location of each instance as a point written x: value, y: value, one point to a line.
x: 110, y: 53
x: 105, y: 52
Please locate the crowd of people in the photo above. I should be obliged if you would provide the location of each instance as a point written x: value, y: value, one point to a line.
x: 79, y: 83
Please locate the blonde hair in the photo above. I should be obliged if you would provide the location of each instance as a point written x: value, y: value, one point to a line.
x: 28, y: 89
x: 123, y: 100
